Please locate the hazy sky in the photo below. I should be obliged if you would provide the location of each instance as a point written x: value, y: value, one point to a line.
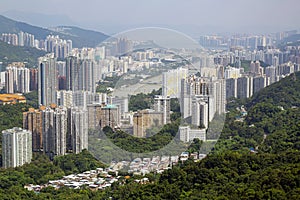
x: 219, y: 15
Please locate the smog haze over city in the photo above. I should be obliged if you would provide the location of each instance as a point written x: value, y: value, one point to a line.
x: 192, y: 17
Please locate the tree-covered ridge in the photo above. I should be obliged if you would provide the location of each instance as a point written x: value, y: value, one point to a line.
x: 40, y: 171
x: 155, y: 141
x: 10, y: 53
x: 229, y: 175
x: 284, y: 93
x: 231, y: 171
x: 267, y: 128
x: 32, y: 99
x: 12, y: 115
x: 142, y: 101
x: 272, y: 121
x: 77, y: 163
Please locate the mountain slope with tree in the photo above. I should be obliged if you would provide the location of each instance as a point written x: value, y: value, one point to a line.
x: 80, y: 37
x: 230, y: 171
x: 283, y: 93
x: 10, y: 53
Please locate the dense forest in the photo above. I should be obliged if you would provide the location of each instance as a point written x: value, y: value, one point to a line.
x: 12, y: 116
x: 256, y: 157
x: 40, y: 171
x: 10, y: 53
x: 142, y: 101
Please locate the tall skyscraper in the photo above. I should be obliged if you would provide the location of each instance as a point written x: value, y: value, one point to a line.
x: 231, y: 88
x: 72, y: 72
x: 255, y: 67
x: 271, y: 73
x: 79, y: 129
x: 211, y: 88
x: 124, y: 46
x: 259, y: 83
x: 61, y: 48
x: 185, y: 98
x: 55, y: 131
x: 219, y: 94
x: 9, y: 81
x: 163, y: 104
x: 33, y: 79
x: 244, y: 87
x: 48, y: 80
x: 232, y: 72
x: 23, y: 77
x: 17, y: 79
x: 32, y: 120
x: 145, y: 119
x: 172, y: 82
x: 80, y: 74
x: 65, y: 98
x: 88, y: 75
x: 16, y: 147
x: 200, y: 111
x: 61, y: 68
x: 121, y: 103
x: 109, y: 116
x: 94, y: 115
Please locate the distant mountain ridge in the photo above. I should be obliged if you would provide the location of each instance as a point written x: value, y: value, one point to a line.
x: 39, y: 19
x: 80, y: 37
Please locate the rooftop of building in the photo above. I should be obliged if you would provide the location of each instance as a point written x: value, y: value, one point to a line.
x: 15, y: 130
x: 110, y: 106
x: 12, y: 97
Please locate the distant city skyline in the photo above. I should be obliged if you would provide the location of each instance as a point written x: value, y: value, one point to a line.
x: 193, y: 17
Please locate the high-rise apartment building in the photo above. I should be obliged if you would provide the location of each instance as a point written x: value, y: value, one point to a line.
x: 231, y: 88
x: 121, y: 103
x: 32, y: 121
x: 110, y: 116
x: 232, y: 72
x: 259, y: 83
x: 94, y: 116
x: 17, y: 79
x: 61, y: 48
x: 9, y: 81
x: 219, y: 94
x: 186, y: 134
x: 255, y: 67
x: 33, y: 85
x: 163, y: 104
x: 144, y: 119
x: 212, y: 88
x: 16, y: 147
x: 171, y: 82
x: 88, y: 76
x: 80, y: 74
x: 123, y: 46
x: 78, y: 123
x: 47, y: 80
x: 55, y: 131
x: 271, y: 73
x: 200, y: 111
x: 65, y: 98
x: 244, y: 87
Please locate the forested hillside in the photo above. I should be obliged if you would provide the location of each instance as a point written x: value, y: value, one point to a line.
x: 10, y: 53
x: 257, y: 157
